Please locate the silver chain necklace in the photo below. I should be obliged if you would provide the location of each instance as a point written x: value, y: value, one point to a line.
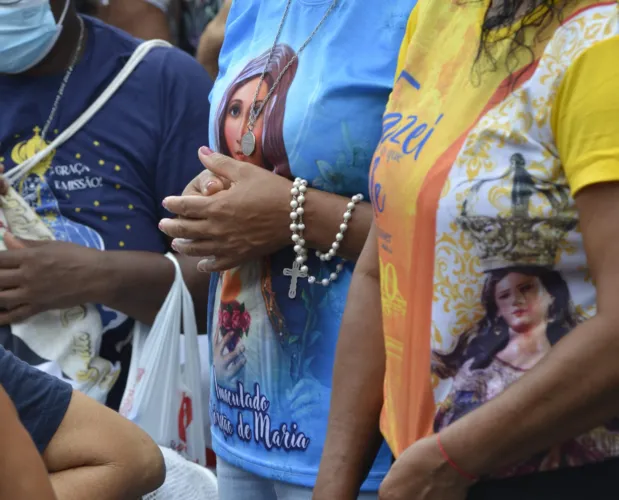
x: 65, y: 80
x: 248, y: 141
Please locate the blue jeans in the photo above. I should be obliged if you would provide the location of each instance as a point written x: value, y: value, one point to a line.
x: 238, y: 484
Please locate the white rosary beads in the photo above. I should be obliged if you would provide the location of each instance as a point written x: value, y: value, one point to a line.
x: 299, y: 267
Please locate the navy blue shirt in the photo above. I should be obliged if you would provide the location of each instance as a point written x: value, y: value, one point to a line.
x: 103, y: 188
x: 40, y: 399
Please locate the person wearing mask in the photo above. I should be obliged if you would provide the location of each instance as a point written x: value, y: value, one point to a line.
x: 494, y: 255
x: 60, y: 444
x: 100, y: 192
x: 296, y: 114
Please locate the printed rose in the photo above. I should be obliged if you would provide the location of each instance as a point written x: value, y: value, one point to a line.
x: 226, y: 320
x: 245, y: 321
x: 236, y: 319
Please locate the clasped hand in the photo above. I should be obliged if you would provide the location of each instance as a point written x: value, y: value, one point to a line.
x: 231, y: 213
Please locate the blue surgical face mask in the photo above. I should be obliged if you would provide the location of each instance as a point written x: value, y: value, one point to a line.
x: 28, y: 32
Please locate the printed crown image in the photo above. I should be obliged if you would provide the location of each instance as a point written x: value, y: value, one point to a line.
x: 518, y: 238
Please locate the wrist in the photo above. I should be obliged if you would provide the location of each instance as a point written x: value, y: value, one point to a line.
x: 443, y: 466
x: 284, y: 195
x: 455, y: 466
x: 458, y: 447
x: 100, y: 276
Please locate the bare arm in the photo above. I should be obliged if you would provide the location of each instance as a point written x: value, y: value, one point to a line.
x: 137, y: 283
x: 96, y: 453
x: 572, y: 390
x: 353, y: 437
x: 22, y: 472
x: 212, y: 39
x: 138, y: 18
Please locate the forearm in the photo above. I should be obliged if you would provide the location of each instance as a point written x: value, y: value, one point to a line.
x: 211, y: 41
x: 103, y: 482
x: 571, y: 391
x: 137, y: 283
x: 138, y: 18
x: 353, y: 437
x: 324, y: 213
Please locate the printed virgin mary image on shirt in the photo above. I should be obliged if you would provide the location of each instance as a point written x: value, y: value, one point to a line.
x: 526, y: 305
x: 233, y: 116
x: 250, y: 328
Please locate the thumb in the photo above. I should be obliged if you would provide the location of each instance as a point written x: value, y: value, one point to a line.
x: 12, y: 242
x: 222, y: 166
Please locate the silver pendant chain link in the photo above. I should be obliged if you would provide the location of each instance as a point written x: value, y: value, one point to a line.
x: 65, y: 80
x: 253, y: 113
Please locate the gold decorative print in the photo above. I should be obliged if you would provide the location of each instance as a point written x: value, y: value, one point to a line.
x: 392, y: 300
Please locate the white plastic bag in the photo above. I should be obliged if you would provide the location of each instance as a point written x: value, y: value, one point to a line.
x: 163, y: 396
x: 184, y: 480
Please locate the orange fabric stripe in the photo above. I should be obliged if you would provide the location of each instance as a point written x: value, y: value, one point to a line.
x: 416, y: 374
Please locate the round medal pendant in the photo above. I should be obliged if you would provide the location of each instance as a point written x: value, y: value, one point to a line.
x: 248, y: 143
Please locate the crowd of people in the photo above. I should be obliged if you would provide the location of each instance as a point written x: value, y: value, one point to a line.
x: 395, y: 220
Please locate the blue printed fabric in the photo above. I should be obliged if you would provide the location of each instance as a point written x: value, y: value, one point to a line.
x: 269, y: 407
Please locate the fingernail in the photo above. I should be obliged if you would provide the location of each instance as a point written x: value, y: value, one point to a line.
x: 164, y: 203
x: 173, y: 245
x: 204, y: 265
x: 210, y: 184
x: 205, y: 151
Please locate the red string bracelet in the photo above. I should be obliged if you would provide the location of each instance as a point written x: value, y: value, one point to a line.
x: 453, y: 464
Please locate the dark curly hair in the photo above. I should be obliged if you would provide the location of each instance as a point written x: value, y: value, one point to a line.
x: 531, y: 14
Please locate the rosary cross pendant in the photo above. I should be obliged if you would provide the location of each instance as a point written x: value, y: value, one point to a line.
x: 295, y: 273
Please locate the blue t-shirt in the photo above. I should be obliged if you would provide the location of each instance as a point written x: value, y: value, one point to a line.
x: 269, y: 415
x: 103, y: 188
x: 40, y: 399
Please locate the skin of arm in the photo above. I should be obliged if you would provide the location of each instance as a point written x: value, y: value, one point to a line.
x: 353, y: 437
x: 574, y: 389
x: 23, y: 475
x: 212, y: 39
x: 138, y: 18
x: 137, y: 283
x: 96, y: 453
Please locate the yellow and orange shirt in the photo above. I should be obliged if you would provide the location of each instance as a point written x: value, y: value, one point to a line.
x: 482, y: 262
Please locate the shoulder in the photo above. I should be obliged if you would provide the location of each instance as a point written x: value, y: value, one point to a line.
x: 175, y: 65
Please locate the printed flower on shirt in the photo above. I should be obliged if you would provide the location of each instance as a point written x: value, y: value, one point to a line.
x: 233, y: 317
